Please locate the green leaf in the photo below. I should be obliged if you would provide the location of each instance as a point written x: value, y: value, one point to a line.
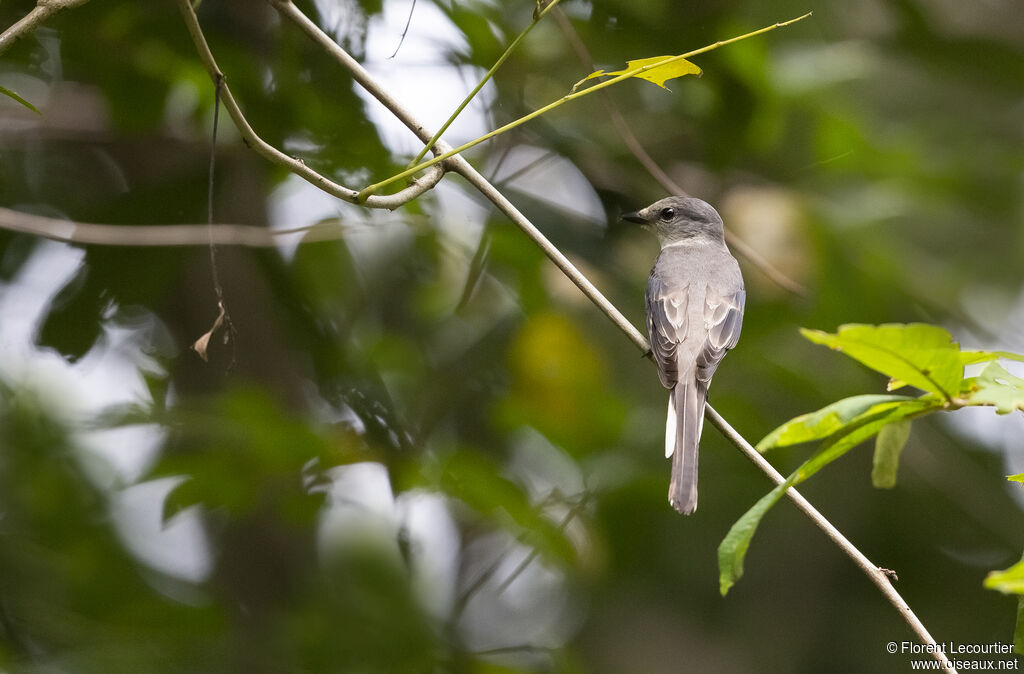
x: 652, y: 72
x: 827, y: 420
x: 1007, y: 581
x: 888, y: 446
x: 10, y: 94
x: 921, y: 355
x: 733, y: 547
x: 995, y: 386
x: 1019, y: 477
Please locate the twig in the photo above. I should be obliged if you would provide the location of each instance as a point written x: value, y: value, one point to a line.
x: 223, y: 320
x: 405, y: 31
x: 358, y: 72
x: 573, y: 511
x: 274, y: 155
x: 631, y: 72
x: 463, y: 599
x: 43, y: 10
x: 537, y: 16
x: 672, y: 187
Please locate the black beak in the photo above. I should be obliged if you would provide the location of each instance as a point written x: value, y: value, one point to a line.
x: 634, y: 217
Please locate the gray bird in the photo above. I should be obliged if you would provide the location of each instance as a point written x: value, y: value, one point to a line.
x: 694, y: 305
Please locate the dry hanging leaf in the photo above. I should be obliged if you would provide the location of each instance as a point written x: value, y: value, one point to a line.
x: 200, y: 345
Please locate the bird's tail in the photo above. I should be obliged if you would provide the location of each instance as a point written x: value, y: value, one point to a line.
x: 682, y: 438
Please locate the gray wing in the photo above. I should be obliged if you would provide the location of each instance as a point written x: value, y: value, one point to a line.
x: 667, y: 326
x: 723, y: 317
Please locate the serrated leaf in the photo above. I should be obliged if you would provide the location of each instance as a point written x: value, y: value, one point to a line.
x: 652, y: 72
x: 827, y: 420
x: 10, y: 94
x: 888, y: 446
x: 995, y: 386
x: 921, y: 355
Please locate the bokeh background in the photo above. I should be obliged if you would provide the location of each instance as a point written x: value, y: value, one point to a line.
x: 423, y: 449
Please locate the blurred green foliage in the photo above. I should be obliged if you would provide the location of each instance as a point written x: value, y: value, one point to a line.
x: 519, y: 522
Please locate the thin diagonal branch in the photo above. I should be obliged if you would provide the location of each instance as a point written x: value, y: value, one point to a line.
x: 272, y: 154
x: 43, y: 10
x: 356, y: 70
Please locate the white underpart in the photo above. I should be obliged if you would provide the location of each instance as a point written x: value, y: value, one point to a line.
x: 670, y: 428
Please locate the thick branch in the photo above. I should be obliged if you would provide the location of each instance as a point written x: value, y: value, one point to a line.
x: 272, y: 154
x: 43, y: 10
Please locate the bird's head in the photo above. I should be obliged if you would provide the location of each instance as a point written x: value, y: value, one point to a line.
x: 680, y: 220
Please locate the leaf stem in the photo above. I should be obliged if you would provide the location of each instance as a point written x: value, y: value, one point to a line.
x: 372, y: 189
x: 537, y: 16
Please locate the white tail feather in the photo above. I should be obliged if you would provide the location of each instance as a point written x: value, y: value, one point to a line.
x: 670, y: 427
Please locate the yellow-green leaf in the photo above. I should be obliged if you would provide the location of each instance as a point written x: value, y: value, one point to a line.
x: 1008, y: 581
x: 648, y: 69
x: 921, y: 355
x: 1019, y: 477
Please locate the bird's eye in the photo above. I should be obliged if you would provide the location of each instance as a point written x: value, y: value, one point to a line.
x: 668, y: 213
